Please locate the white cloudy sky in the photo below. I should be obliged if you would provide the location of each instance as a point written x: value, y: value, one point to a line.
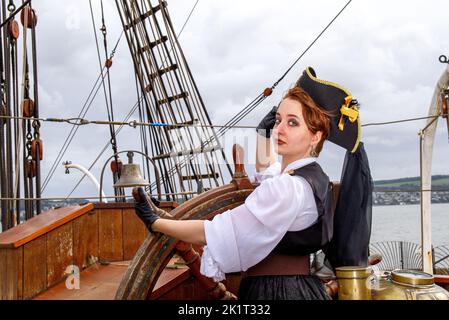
x: 385, y: 52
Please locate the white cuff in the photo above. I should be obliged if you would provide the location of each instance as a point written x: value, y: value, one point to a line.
x: 209, y: 267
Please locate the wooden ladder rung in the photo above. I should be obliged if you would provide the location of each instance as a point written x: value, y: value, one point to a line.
x: 173, y: 98
x: 145, y: 15
x: 153, y: 44
x: 162, y: 71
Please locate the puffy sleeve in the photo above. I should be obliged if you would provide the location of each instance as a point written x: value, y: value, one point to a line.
x: 240, y: 238
x: 270, y: 172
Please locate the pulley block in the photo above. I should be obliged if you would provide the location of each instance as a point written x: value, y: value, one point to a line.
x: 30, y: 168
x: 108, y: 63
x: 116, y: 166
x: 31, y: 17
x: 37, y: 148
x: 28, y: 108
x: 13, y: 29
x: 267, y: 92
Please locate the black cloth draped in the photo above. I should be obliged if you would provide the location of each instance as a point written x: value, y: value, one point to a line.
x: 282, y: 288
x: 353, y: 214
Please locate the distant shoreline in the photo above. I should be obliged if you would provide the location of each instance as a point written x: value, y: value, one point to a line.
x: 406, y: 198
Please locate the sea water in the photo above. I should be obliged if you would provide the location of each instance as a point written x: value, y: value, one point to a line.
x: 403, y: 223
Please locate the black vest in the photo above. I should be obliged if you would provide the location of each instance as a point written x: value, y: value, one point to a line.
x: 318, y: 235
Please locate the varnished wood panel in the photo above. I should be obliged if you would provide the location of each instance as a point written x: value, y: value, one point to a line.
x: 59, y: 253
x: 168, y: 281
x: 181, y: 287
x: 40, y: 224
x: 19, y: 273
x: 85, y: 240
x: 13, y: 260
x: 11, y: 274
x: 134, y: 233
x: 34, y: 267
x: 110, y: 236
x: 3, y: 274
x: 189, y: 289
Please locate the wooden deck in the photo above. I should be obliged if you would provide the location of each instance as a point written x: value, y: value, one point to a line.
x: 100, y: 282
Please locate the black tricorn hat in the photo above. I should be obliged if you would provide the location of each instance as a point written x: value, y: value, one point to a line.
x: 338, y: 102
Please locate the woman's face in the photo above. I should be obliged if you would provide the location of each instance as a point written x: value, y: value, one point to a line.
x: 292, y: 137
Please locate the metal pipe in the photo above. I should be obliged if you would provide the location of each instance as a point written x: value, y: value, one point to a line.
x: 88, y: 174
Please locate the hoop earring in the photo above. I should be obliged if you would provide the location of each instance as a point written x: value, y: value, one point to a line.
x: 313, y: 152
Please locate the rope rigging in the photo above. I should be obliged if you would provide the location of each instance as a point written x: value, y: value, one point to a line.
x: 311, y: 44
x: 108, y: 92
x: 72, y: 133
x: 171, y: 95
x: 132, y: 111
x: 258, y: 100
x: 85, y: 108
x: 134, y: 124
x: 21, y: 149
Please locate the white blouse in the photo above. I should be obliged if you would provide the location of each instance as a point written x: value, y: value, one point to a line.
x: 242, y: 237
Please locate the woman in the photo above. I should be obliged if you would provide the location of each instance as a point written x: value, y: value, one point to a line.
x: 286, y: 218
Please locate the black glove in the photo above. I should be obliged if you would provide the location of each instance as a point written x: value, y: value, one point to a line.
x: 143, y: 208
x: 266, y: 125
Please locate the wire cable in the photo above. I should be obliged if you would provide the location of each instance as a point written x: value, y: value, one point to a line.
x: 188, y: 18
x: 228, y: 125
x: 73, y: 131
x: 130, y: 113
x: 313, y: 42
x: 71, y: 135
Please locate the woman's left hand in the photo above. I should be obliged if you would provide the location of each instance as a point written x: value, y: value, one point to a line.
x: 266, y: 125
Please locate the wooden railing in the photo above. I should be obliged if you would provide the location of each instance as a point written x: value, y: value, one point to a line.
x: 35, y: 255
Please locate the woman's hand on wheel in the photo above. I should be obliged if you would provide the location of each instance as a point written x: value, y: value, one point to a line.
x: 144, y: 208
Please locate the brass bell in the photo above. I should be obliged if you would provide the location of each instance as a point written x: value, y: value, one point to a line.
x: 130, y: 175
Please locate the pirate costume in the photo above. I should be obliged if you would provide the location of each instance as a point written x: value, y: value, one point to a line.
x: 286, y: 218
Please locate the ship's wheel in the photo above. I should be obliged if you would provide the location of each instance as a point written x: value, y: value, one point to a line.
x: 158, y: 249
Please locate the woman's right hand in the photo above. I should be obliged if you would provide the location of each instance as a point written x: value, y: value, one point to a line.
x: 265, y: 126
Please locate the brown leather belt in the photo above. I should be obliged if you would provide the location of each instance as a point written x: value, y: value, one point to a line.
x: 280, y: 265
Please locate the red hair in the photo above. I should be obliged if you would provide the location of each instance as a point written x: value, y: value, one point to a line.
x: 316, y: 118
